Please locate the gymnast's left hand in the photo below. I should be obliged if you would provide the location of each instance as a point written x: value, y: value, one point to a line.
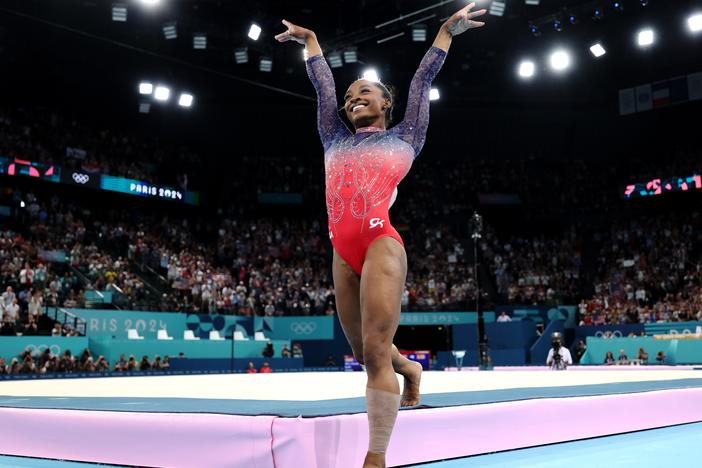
x: 462, y: 20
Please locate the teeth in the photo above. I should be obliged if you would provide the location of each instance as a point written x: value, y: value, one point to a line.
x: 355, y: 108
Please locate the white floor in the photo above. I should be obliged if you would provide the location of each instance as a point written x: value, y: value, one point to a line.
x: 312, y: 386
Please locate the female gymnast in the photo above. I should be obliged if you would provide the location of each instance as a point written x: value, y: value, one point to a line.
x: 363, y: 169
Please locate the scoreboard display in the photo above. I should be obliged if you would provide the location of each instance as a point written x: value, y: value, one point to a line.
x: 659, y: 186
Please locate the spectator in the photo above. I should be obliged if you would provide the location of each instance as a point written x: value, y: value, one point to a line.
x: 145, y: 365
x: 623, y: 358
x: 268, y: 350
x: 7, y: 297
x: 580, y: 350
x: 297, y: 350
x: 251, y: 369
x: 503, y: 317
x: 285, y: 352
x: 13, y: 309
x: 121, y: 364
x: 609, y: 358
x: 265, y: 369
x: 642, y: 356
x: 660, y: 357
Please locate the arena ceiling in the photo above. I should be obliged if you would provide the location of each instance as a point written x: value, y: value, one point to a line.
x: 73, y: 52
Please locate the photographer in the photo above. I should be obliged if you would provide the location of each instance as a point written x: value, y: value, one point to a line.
x: 558, y: 356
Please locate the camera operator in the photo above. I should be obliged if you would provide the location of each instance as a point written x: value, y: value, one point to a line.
x: 558, y: 356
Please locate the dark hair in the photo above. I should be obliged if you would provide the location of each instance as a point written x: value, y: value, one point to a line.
x: 388, y: 93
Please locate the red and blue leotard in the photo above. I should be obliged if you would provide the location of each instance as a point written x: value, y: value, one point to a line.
x: 363, y: 169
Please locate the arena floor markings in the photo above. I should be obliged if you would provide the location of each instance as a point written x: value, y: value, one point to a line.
x: 318, y: 419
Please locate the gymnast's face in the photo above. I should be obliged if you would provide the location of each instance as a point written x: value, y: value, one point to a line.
x: 365, y: 104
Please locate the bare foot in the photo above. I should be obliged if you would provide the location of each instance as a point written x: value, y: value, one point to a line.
x: 410, y: 392
x: 374, y: 460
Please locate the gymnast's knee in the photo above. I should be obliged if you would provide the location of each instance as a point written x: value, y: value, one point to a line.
x: 376, y: 355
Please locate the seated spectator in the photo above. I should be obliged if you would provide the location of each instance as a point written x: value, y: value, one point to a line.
x: 265, y: 369
x: 623, y: 358
x: 268, y: 350
x: 609, y: 358
x: 660, y: 357
x: 31, y: 327
x: 132, y: 365
x: 121, y: 364
x: 156, y: 364
x: 102, y: 365
x: 642, y: 356
x: 251, y: 369
x: 503, y: 317
x: 145, y: 364
x: 297, y: 350
x: 285, y: 352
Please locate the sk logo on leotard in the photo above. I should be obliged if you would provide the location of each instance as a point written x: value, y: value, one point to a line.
x: 375, y: 222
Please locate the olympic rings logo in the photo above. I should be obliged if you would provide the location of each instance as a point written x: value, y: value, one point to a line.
x: 79, y: 178
x: 609, y: 334
x: 39, y: 349
x: 303, y: 328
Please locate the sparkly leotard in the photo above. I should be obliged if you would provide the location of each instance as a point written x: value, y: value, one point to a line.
x: 363, y: 169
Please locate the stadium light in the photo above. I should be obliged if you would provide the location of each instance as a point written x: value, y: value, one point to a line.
x: 434, y: 94
x: 185, y: 100
x: 199, y: 41
x: 162, y: 93
x: 254, y: 31
x: 119, y: 12
x: 170, y: 30
x: 694, y: 23
x: 335, y: 60
x: 150, y: 2
x: 146, y: 88
x: 598, y: 50
x: 265, y: 64
x: 532, y: 2
x: 419, y: 33
x: 371, y: 75
x: 560, y: 60
x: 646, y: 37
x: 497, y: 8
x: 241, y: 55
x: 350, y: 55
x: 526, y: 69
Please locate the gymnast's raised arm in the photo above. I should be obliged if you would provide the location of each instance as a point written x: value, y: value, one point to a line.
x: 329, y: 124
x: 413, y: 127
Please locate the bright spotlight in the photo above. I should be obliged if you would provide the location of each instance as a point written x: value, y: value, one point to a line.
x: 162, y: 93
x: 254, y: 31
x: 560, y: 60
x: 434, y: 94
x: 371, y: 75
x: 694, y: 22
x: 150, y: 2
x: 497, y: 8
x: 527, y: 69
x: 646, y: 37
x: 598, y: 50
x: 305, y: 54
x: 185, y: 100
x: 145, y: 87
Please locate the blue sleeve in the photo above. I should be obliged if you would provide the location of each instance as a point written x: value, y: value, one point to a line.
x: 329, y: 124
x: 413, y: 128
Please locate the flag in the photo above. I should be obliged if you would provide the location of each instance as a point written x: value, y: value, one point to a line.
x: 644, y: 100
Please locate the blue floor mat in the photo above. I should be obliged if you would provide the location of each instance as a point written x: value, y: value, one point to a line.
x: 675, y: 446
x: 285, y: 408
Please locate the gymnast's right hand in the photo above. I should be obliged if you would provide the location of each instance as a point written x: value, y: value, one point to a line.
x: 294, y: 33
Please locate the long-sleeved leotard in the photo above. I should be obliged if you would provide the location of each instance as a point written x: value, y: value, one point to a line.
x: 363, y: 169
